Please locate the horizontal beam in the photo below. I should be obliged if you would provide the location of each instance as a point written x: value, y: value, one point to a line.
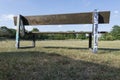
x: 60, y: 19
x: 63, y: 32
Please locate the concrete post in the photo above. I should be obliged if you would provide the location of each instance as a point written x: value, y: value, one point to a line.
x: 95, y: 31
x: 18, y: 32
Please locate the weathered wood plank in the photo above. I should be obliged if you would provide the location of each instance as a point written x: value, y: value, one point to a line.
x: 59, y: 19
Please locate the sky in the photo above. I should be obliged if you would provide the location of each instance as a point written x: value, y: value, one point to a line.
x: 11, y: 8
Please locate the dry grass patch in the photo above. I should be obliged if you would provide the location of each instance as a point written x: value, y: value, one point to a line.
x: 60, y: 60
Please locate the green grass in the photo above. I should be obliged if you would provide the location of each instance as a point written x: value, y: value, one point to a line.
x: 60, y: 60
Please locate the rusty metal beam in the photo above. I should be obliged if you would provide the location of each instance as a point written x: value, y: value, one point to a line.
x: 59, y: 19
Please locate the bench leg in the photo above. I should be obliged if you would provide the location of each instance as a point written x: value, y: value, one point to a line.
x: 90, y: 41
x: 33, y: 40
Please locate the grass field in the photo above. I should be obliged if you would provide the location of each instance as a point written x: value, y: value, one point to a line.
x: 60, y: 60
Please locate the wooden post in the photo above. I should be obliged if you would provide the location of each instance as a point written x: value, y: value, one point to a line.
x: 90, y: 41
x: 18, y: 32
x: 95, y: 31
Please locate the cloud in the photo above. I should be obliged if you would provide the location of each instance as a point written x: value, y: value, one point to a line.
x: 8, y: 17
x: 29, y: 28
x: 59, y: 26
x: 116, y: 13
x: 87, y: 4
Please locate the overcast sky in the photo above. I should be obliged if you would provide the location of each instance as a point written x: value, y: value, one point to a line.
x: 10, y: 8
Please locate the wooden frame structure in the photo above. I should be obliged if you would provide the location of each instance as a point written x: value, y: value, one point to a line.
x: 94, y: 18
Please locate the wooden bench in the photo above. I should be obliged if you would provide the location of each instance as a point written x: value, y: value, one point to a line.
x: 94, y: 18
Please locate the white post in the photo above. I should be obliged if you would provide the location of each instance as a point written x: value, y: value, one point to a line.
x: 95, y: 31
x: 18, y: 32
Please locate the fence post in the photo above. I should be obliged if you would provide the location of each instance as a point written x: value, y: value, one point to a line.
x: 95, y: 31
x: 18, y: 32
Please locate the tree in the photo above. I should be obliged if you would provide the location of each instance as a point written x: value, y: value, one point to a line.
x: 116, y: 32
x: 35, y: 30
x: 13, y: 33
x: 81, y: 36
x: 5, y: 32
x: 113, y: 35
x: 107, y: 36
x: 70, y: 36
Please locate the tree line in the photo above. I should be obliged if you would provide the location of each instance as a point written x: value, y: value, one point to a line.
x: 114, y: 34
x: 11, y: 33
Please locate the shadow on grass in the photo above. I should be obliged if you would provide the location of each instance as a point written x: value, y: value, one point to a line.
x: 80, y: 48
x: 35, y: 65
x: 26, y: 47
x: 110, y: 49
x: 57, y: 47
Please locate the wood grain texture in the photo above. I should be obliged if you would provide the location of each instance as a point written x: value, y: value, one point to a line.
x: 60, y: 19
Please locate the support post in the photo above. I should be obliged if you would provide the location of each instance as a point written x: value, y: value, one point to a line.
x: 95, y: 31
x: 22, y: 28
x: 90, y: 41
x: 18, y: 32
x: 33, y: 40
